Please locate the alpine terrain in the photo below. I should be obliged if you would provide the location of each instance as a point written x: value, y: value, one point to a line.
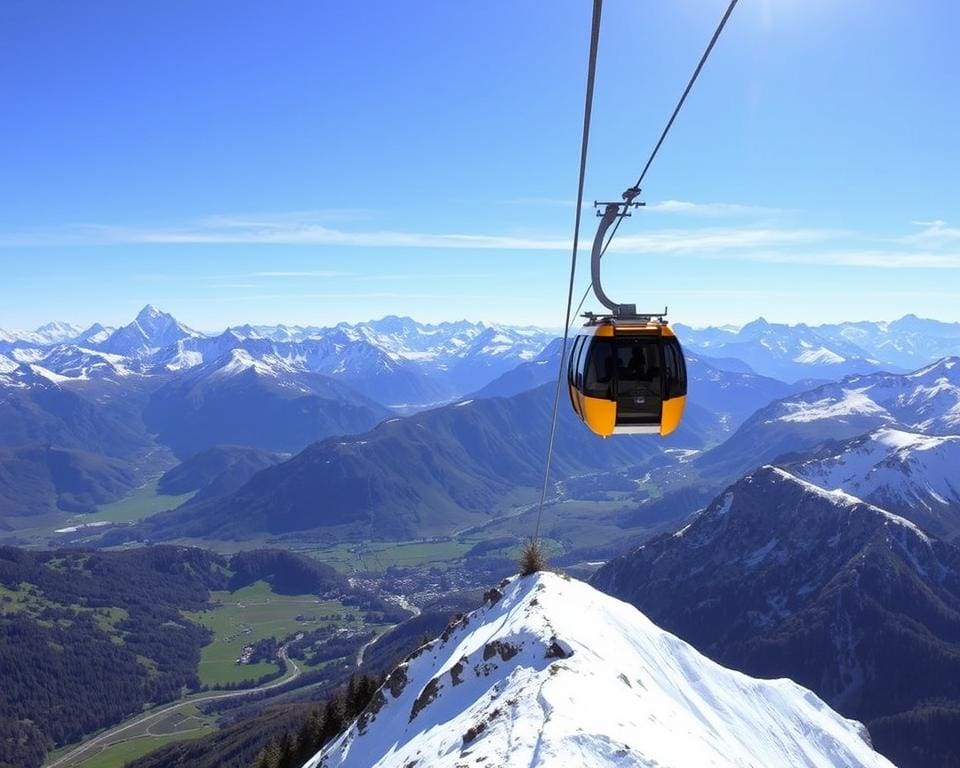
x: 550, y: 672
x: 779, y: 577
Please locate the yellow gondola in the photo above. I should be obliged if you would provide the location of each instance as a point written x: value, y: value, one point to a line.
x: 626, y: 373
x: 627, y: 377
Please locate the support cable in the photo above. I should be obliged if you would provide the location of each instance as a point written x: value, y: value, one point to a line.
x: 663, y: 135
x: 584, y: 143
x: 628, y: 195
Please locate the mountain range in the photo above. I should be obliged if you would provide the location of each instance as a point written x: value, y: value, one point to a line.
x: 839, y: 420
x: 155, y: 385
x: 779, y: 577
x: 832, y: 351
x: 280, y: 389
x: 925, y: 401
x: 420, y: 475
x: 415, y: 363
x: 395, y: 361
x: 240, y: 400
x: 819, y: 493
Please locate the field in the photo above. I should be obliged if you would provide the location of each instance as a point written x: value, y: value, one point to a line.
x: 376, y: 557
x: 253, y: 613
x: 143, y: 502
x: 48, y: 530
x: 182, y: 724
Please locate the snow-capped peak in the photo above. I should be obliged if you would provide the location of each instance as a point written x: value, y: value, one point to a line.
x: 150, y: 332
x: 239, y: 361
x: 550, y: 672
x: 149, y: 313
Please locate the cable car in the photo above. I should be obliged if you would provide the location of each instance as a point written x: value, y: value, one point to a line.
x: 626, y: 373
x: 627, y: 377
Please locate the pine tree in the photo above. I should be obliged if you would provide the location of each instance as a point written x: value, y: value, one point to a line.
x: 366, y: 688
x: 333, y: 718
x: 287, y: 752
x: 350, y: 700
x: 268, y: 757
x: 310, y: 737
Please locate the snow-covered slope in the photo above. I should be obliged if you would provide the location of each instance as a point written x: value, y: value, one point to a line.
x: 780, y: 578
x: 442, y: 343
x: 239, y: 361
x: 911, y: 474
x: 76, y: 362
x: 551, y: 672
x: 926, y: 401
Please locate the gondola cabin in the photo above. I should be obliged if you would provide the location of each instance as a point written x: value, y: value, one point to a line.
x: 627, y: 377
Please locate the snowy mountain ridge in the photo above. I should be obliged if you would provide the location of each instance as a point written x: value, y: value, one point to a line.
x: 549, y: 672
x: 927, y: 400
x: 909, y: 473
x: 830, y: 350
x: 779, y: 577
x: 395, y: 360
x: 51, y: 333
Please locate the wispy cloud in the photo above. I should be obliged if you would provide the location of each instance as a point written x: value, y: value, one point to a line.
x: 286, y: 230
x: 679, y: 207
x: 712, y: 210
x: 316, y: 235
x: 856, y: 257
x: 308, y: 273
x: 935, y: 246
x: 358, y: 296
x: 935, y: 234
x: 293, y: 233
x: 719, y: 239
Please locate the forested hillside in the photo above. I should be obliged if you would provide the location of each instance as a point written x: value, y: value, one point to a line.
x: 88, y: 638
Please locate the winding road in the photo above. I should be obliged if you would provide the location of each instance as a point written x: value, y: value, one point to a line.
x: 109, y: 737
x: 403, y: 603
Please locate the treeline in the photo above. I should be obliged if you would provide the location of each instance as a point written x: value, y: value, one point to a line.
x: 276, y: 735
x: 292, y: 749
x: 73, y: 640
x: 926, y: 736
x: 235, y: 745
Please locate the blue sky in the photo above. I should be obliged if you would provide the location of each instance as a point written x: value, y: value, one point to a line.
x: 312, y: 162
